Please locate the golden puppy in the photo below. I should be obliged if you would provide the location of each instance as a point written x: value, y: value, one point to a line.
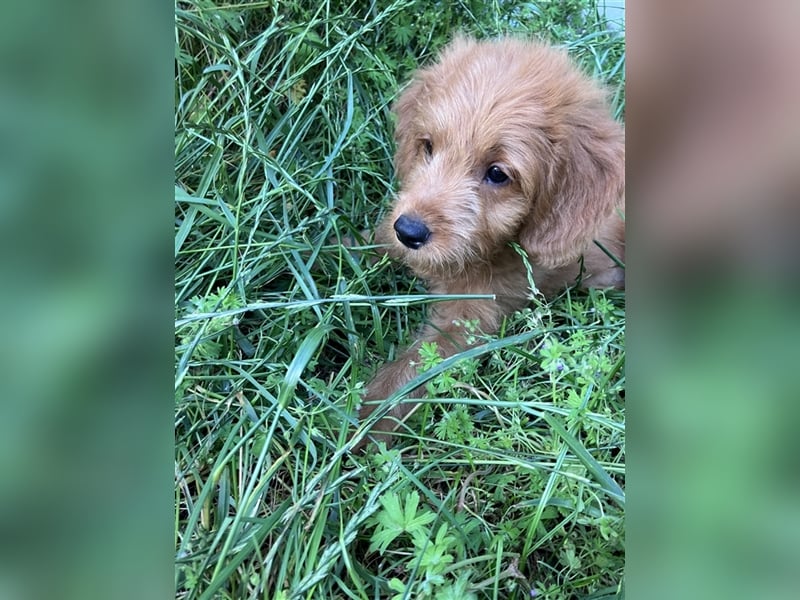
x: 498, y: 142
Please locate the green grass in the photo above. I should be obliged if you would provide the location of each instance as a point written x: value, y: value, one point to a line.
x: 509, y: 477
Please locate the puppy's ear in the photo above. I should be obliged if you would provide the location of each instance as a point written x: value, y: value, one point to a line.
x: 578, y: 191
x: 406, y: 131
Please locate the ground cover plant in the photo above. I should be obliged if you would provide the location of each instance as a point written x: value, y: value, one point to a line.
x: 508, y: 481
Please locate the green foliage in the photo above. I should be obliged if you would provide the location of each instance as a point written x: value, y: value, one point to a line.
x: 223, y: 306
x: 396, y: 519
x: 507, y: 479
x: 433, y: 553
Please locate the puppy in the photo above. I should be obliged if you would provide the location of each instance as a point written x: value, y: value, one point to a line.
x: 498, y: 142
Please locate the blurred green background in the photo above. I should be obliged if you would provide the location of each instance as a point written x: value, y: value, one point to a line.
x: 86, y: 221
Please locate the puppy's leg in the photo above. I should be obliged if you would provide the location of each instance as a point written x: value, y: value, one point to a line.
x: 446, y: 329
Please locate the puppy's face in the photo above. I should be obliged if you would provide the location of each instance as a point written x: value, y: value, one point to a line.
x: 480, y: 142
x: 461, y: 199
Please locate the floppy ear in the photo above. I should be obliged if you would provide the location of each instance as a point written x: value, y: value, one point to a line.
x: 582, y: 187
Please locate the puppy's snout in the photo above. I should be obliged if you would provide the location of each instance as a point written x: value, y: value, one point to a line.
x: 411, y: 232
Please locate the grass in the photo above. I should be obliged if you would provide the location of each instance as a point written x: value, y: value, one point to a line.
x: 507, y: 481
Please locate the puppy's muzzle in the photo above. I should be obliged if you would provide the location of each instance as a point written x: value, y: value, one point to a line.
x: 411, y: 232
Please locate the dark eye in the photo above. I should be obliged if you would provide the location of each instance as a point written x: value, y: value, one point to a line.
x: 427, y: 147
x: 496, y: 175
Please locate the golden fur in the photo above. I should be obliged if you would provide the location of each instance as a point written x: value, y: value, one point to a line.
x: 499, y: 141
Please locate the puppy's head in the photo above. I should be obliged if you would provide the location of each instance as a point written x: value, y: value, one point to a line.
x: 497, y: 142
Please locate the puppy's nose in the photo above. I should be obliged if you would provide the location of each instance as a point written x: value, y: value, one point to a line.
x: 411, y: 232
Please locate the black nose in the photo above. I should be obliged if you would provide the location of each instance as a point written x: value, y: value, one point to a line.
x: 411, y: 232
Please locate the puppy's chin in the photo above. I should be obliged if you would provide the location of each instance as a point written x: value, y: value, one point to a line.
x: 434, y: 262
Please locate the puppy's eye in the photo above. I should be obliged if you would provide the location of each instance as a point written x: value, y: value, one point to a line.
x: 496, y: 175
x: 427, y: 148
